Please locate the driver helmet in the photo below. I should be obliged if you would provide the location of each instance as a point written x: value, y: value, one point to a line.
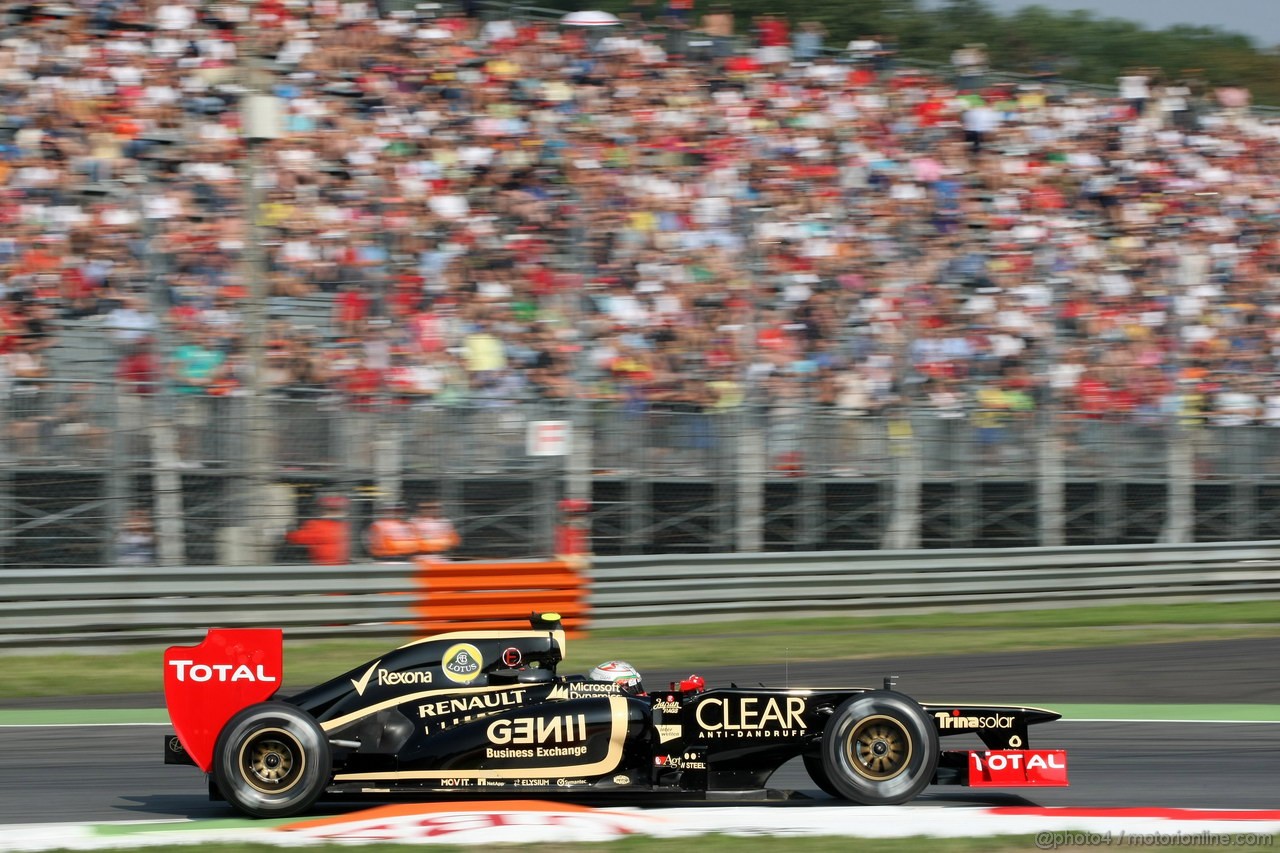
x: 621, y: 673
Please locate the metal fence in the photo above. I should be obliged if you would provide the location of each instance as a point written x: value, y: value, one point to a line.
x: 77, y: 458
x: 80, y: 608
x: 695, y: 589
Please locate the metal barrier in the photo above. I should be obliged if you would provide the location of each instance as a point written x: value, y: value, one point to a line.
x: 697, y: 588
x: 90, y: 608
x: 78, y: 459
x: 83, y: 608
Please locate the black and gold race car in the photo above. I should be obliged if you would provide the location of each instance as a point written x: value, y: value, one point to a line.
x: 486, y: 712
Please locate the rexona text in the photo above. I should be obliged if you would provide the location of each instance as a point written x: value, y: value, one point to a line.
x: 190, y: 670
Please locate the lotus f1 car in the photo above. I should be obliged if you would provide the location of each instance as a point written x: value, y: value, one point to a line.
x: 486, y: 712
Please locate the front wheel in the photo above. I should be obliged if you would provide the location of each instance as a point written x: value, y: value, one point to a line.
x: 880, y: 748
x: 818, y: 773
x: 272, y: 760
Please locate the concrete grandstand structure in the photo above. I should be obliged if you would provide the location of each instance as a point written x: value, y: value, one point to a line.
x: 784, y: 306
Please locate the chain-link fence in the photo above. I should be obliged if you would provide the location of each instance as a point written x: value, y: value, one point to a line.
x: 90, y: 469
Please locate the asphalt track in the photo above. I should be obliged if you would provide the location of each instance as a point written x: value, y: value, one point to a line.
x: 105, y: 773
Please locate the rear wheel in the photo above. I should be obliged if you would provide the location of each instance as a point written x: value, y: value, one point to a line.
x: 879, y: 748
x: 272, y: 760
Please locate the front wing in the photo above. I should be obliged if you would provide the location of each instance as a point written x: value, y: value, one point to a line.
x: 1003, y: 768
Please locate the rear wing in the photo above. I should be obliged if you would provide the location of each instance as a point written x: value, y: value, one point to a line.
x: 206, y: 684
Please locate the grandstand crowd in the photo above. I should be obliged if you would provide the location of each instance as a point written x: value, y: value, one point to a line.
x: 498, y: 210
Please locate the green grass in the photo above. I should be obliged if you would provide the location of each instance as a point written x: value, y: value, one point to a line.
x: 725, y: 643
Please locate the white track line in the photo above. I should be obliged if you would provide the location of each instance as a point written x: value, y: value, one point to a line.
x: 73, y: 725
x: 1180, y: 720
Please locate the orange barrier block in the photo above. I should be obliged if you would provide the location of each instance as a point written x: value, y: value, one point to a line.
x: 484, y: 566
x: 574, y: 628
x: 499, y: 595
x: 464, y: 583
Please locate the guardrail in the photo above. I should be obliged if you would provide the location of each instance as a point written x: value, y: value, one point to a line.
x: 86, y: 608
x: 92, y: 608
x: 639, y: 590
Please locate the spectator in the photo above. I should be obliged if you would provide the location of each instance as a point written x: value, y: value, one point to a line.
x: 981, y: 121
x: 807, y: 42
x: 773, y: 35
x: 1235, y: 404
x: 136, y: 541
x: 433, y: 188
x: 678, y: 12
x: 642, y: 10
x: 197, y: 365
x: 71, y: 429
x: 137, y: 377
x: 718, y: 23
x: 131, y: 322
x: 24, y: 371
x: 436, y: 534
x: 573, y: 532
x: 863, y: 51
x: 391, y: 536
x: 327, y: 538
x: 1234, y: 101
x: 1135, y: 89
x: 969, y: 63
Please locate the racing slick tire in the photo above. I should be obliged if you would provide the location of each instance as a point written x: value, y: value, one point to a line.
x: 818, y: 773
x: 272, y: 760
x: 880, y: 749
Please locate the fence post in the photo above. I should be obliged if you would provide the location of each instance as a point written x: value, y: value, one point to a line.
x: 751, y: 466
x: 904, y: 452
x: 7, y: 500
x: 1180, y: 524
x: 1052, y: 517
x: 387, y: 467
x: 117, y: 481
x: 166, y: 487
x: 577, y: 483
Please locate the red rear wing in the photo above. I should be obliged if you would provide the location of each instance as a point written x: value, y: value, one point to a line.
x: 205, y: 685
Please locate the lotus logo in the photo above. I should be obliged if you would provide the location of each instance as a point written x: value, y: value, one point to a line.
x: 462, y: 663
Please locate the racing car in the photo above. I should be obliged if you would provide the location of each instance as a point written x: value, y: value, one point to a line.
x: 486, y: 712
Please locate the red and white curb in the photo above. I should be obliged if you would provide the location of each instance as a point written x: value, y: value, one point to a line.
x: 531, y: 821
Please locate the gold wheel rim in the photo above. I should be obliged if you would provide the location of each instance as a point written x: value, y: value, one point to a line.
x: 272, y: 761
x: 879, y: 748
